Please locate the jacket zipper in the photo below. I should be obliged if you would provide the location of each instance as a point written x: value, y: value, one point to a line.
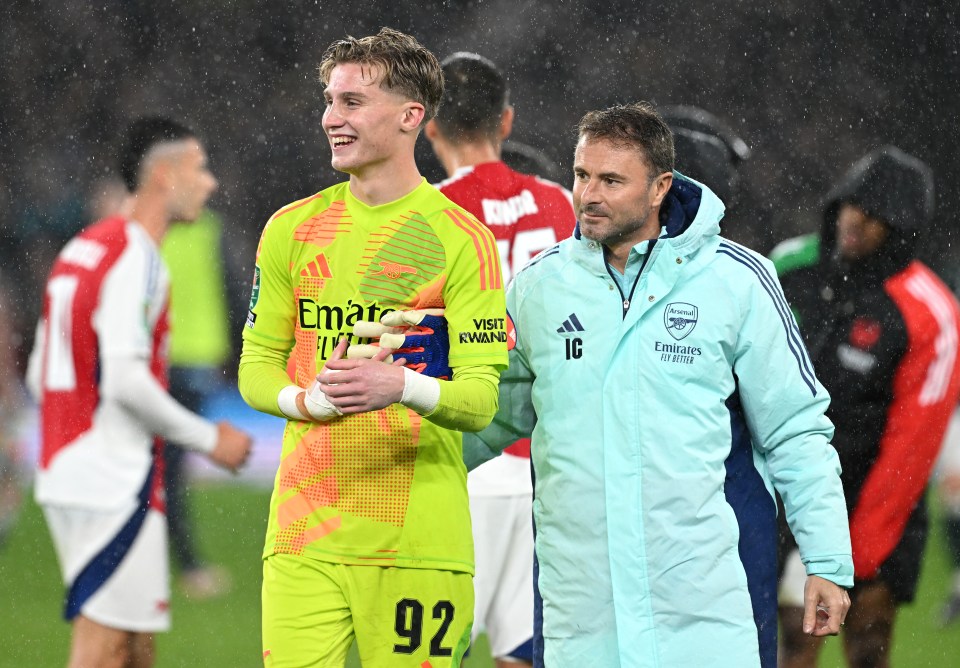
x: 627, y: 300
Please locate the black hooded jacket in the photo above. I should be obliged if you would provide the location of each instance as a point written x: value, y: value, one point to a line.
x: 859, y: 322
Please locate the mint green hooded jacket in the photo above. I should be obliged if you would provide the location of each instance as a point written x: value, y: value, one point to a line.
x: 661, y: 422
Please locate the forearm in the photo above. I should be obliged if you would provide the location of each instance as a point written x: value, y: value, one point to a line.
x: 128, y: 381
x: 261, y: 377
x: 476, y: 452
x: 469, y: 401
x: 515, y: 417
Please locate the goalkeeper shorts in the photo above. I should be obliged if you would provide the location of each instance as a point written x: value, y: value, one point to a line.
x: 313, y: 610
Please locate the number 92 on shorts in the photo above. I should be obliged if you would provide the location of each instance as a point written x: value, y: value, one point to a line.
x: 313, y: 610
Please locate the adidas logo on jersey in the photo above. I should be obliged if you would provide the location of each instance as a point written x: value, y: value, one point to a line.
x: 318, y: 268
x: 571, y: 324
x: 574, y: 345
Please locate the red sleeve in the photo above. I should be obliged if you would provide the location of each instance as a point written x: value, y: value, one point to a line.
x: 925, y: 391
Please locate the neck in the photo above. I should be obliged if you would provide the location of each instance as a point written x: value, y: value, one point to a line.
x: 617, y: 251
x: 385, y: 183
x: 469, y: 154
x: 151, y: 214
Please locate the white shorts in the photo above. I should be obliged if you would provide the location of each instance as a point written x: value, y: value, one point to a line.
x: 135, y: 596
x: 947, y: 472
x: 503, y: 585
x: 793, y: 581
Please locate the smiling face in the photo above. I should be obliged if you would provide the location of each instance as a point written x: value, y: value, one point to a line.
x: 616, y: 198
x: 367, y: 125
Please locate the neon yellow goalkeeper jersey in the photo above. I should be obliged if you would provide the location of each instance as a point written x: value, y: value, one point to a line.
x: 386, y: 487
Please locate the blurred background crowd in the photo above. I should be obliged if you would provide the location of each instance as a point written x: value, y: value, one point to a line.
x: 808, y: 85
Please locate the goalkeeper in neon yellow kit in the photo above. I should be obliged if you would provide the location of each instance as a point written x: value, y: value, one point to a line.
x: 369, y: 528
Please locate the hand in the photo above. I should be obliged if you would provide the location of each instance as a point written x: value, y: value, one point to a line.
x: 315, y: 404
x: 825, y: 606
x: 419, y: 335
x: 361, y: 385
x: 232, y: 448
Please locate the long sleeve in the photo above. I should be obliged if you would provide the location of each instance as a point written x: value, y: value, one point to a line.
x: 127, y: 381
x: 785, y: 409
x: 925, y: 387
x: 261, y: 376
x: 469, y: 401
x: 515, y: 417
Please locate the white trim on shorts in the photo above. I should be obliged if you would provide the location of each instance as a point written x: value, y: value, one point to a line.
x: 136, y: 597
x: 793, y: 581
x: 503, y: 585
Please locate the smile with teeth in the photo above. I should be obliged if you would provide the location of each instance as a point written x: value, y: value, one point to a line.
x: 341, y: 141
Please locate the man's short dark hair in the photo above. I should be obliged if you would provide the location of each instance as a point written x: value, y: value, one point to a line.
x: 474, y: 97
x: 142, y: 135
x: 637, y: 125
x: 405, y: 66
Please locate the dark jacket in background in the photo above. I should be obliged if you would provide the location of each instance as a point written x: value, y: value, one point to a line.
x: 883, y: 334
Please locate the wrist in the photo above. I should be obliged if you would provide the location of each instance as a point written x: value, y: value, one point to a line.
x: 420, y: 393
x: 317, y: 404
x: 290, y: 402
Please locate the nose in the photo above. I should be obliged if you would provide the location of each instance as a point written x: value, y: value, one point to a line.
x: 331, y: 117
x: 590, y: 193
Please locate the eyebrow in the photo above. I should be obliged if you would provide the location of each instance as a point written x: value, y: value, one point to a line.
x: 346, y: 93
x: 603, y: 175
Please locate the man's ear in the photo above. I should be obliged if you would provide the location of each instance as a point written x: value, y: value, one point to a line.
x: 661, y: 186
x: 430, y: 130
x: 413, y: 113
x: 506, y: 122
x: 156, y: 173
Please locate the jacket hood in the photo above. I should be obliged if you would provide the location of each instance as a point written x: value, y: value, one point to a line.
x: 887, y: 184
x: 894, y: 187
x: 691, y: 213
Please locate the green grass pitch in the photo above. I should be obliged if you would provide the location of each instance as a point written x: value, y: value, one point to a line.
x: 225, y: 632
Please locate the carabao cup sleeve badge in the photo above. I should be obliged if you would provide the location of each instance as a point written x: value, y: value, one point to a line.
x: 255, y: 290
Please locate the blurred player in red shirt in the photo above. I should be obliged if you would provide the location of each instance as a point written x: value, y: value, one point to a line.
x: 98, y: 371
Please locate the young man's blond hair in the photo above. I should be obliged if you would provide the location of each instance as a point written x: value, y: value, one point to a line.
x: 403, y: 65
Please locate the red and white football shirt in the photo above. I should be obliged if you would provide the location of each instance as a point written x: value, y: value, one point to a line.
x: 106, y: 299
x: 527, y: 215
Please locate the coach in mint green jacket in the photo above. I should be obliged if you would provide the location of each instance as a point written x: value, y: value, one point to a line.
x: 665, y: 405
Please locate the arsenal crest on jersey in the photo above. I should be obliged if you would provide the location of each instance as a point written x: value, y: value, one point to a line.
x: 680, y: 318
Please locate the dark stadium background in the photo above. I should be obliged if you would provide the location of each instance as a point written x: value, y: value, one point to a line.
x: 810, y: 85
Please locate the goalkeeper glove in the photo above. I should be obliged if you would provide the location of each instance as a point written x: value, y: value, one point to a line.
x: 419, y: 336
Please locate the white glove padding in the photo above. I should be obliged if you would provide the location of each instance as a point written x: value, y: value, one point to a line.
x: 365, y: 351
x: 404, y: 319
x: 318, y: 405
x: 397, y: 330
x: 391, y: 330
